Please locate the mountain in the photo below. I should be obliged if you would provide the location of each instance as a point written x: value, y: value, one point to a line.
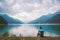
x: 45, y: 18
x: 3, y: 21
x: 55, y: 19
x: 10, y: 20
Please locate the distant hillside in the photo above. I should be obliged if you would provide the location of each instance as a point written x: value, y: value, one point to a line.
x: 46, y: 18
x: 3, y: 21
x: 55, y: 19
x: 10, y: 20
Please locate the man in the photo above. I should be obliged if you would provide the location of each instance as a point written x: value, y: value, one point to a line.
x: 40, y: 32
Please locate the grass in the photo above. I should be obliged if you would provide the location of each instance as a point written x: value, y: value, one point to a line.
x: 29, y: 38
x: 5, y: 36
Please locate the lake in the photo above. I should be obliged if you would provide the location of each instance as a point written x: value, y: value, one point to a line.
x: 30, y: 30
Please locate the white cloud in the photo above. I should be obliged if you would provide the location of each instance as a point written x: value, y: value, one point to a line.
x: 25, y: 16
x: 9, y: 1
x: 0, y: 3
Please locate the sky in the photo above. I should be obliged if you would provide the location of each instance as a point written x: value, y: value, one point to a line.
x: 28, y: 10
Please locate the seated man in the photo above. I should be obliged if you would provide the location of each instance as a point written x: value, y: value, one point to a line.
x: 40, y: 32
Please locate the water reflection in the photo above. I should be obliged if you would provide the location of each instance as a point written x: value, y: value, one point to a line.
x: 5, y: 28
x: 24, y: 30
x: 30, y: 30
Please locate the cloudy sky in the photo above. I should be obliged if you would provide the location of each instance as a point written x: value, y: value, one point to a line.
x: 28, y: 10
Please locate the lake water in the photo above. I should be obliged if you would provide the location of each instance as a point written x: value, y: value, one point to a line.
x: 30, y: 30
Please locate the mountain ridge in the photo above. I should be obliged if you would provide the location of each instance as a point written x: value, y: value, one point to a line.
x: 44, y: 19
x: 11, y: 20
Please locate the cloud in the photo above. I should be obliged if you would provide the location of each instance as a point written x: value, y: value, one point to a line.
x: 34, y: 8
